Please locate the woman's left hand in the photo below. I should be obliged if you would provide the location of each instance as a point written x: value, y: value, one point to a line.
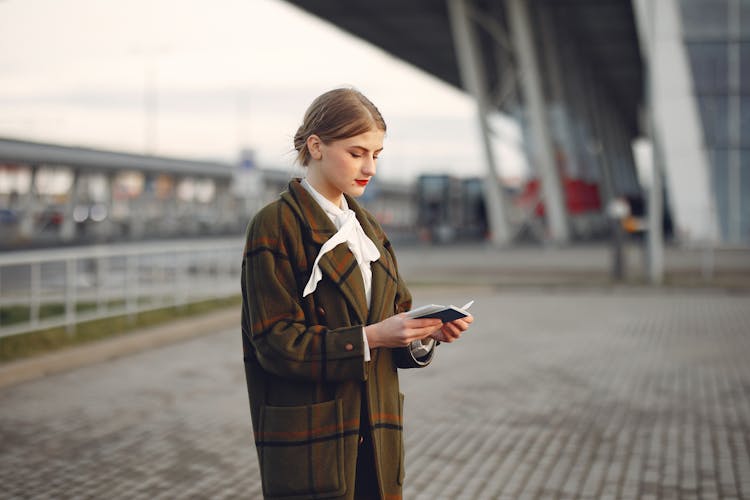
x: 450, y: 332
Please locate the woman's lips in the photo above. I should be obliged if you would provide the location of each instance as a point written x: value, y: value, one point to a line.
x: 362, y: 182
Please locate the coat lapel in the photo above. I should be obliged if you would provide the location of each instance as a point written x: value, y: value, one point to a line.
x: 379, y: 285
x: 339, y: 265
x: 383, y: 274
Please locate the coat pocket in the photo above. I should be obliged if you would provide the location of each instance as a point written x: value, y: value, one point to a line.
x: 301, y: 451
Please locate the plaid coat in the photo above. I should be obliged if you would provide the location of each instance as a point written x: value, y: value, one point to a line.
x: 305, y: 370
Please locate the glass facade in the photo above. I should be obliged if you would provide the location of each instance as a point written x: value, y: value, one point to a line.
x: 717, y: 42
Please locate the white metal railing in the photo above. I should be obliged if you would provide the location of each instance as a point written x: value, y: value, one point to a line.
x: 93, y: 282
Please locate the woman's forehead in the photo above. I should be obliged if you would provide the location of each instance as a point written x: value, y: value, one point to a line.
x: 371, y: 140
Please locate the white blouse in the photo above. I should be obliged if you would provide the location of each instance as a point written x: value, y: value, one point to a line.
x: 349, y: 231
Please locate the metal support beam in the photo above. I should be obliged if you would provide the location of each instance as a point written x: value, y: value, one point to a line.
x: 491, y: 26
x: 522, y: 31
x: 472, y: 75
x: 560, y: 106
x: 579, y: 117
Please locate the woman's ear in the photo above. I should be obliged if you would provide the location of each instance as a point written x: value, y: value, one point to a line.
x: 313, y: 146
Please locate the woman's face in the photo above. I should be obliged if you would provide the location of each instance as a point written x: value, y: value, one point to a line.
x: 344, y: 166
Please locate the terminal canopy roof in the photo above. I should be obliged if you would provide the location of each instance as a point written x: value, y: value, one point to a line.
x: 97, y: 160
x: 419, y: 32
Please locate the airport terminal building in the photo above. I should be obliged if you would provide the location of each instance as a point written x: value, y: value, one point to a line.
x: 586, y: 81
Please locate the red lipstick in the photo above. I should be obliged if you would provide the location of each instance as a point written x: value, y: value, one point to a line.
x: 362, y: 182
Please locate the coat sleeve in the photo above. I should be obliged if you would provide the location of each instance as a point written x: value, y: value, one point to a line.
x: 285, y: 342
x: 403, y: 357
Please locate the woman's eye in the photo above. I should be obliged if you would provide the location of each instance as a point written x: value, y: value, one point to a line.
x: 354, y: 155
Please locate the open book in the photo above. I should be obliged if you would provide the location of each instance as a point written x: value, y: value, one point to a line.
x: 445, y: 313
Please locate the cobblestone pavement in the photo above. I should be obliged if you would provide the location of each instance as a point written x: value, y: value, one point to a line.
x: 563, y: 394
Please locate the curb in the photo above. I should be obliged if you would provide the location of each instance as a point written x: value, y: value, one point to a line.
x: 16, y: 372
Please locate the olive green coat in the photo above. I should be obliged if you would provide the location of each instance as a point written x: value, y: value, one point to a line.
x: 306, y: 374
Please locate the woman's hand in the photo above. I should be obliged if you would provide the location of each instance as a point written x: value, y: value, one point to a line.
x: 400, y: 331
x: 450, y: 332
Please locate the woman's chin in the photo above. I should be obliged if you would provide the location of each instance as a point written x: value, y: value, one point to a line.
x: 356, y: 191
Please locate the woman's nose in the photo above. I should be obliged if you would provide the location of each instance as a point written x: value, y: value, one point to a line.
x: 369, y: 167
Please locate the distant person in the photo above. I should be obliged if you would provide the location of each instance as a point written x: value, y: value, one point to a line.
x: 322, y: 324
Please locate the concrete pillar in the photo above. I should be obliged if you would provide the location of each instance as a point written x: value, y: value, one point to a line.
x: 191, y: 211
x: 108, y: 231
x: 179, y: 206
x: 734, y: 119
x: 30, y: 206
x: 646, y: 22
x: 68, y: 227
x: 173, y: 206
x: 677, y: 122
x: 138, y: 211
x: 474, y: 81
x: 227, y: 215
x: 655, y: 235
x: 523, y: 37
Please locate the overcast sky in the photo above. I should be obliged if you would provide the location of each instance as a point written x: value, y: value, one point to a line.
x: 224, y: 74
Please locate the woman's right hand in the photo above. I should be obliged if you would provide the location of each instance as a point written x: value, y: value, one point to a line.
x: 400, y: 331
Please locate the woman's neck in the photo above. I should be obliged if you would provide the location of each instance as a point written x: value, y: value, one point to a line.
x: 329, y: 192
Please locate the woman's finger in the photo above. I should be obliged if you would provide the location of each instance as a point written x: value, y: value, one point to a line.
x: 451, y: 331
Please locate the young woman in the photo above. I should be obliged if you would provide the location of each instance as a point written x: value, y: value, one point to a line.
x: 323, y: 328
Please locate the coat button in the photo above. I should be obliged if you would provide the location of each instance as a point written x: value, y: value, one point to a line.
x: 361, y: 439
x: 349, y: 347
x: 321, y: 312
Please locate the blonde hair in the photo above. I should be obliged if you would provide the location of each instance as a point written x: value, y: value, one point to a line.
x: 335, y: 115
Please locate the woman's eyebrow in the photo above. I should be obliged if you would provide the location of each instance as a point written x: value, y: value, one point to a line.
x: 362, y: 148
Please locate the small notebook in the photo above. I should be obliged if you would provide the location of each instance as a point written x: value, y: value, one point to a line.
x: 445, y: 313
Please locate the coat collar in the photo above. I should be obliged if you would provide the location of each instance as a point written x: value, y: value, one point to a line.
x: 339, y: 264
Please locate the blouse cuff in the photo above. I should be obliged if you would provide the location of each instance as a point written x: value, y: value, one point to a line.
x: 366, y: 345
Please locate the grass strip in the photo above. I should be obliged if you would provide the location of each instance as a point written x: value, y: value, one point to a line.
x: 42, y: 341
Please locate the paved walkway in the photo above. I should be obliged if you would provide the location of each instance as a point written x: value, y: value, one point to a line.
x: 563, y: 394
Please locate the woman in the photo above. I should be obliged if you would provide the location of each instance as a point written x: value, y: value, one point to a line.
x: 322, y: 323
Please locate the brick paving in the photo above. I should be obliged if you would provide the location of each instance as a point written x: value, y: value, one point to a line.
x: 560, y: 394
